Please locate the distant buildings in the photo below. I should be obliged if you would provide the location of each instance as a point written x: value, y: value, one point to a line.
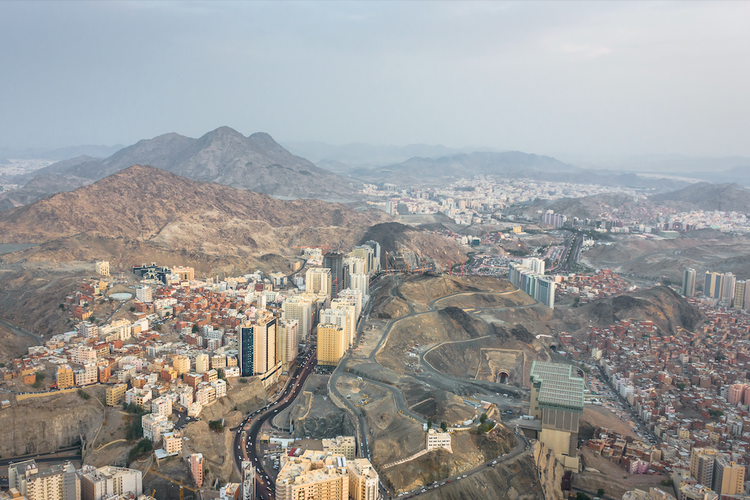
x: 552, y: 219
x: 688, y: 282
x: 713, y: 284
x: 534, y: 284
x: 335, y: 262
x: 102, y: 483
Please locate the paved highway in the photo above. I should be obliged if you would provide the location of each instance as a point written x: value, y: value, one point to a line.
x: 246, y: 448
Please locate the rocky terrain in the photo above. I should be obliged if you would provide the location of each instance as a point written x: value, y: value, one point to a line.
x: 223, y: 156
x: 143, y: 211
x: 727, y: 197
x: 48, y: 423
x: 702, y: 250
x: 667, y: 309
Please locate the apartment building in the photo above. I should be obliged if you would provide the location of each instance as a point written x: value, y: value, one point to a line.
x: 729, y: 477
x: 315, y: 474
x: 345, y: 446
x: 318, y: 280
x: 437, y: 439
x: 115, y: 393
x: 64, y: 377
x: 363, y: 480
x: 331, y: 344
x: 58, y: 482
x: 161, y: 406
x: 102, y: 267
x: 195, y: 463
x: 201, y: 363
x: 172, y: 444
x: 181, y: 364
x: 101, y: 483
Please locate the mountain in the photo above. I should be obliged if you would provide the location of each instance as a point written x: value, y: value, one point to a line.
x: 706, y: 196
x: 224, y: 156
x: 151, y: 214
x: 37, y: 188
x: 358, y: 154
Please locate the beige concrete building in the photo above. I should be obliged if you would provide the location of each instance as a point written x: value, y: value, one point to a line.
x: 185, y: 273
x: 702, y: 464
x: 181, y: 364
x: 557, y: 400
x: 363, y: 480
x: 341, y: 445
x: 58, y: 482
x: 101, y: 483
x: 318, y: 280
x: 314, y: 475
x: 201, y: 363
x: 64, y: 377
x: 115, y: 393
x: 331, y: 344
x: 172, y: 444
x: 729, y: 477
x: 351, y: 317
x: 436, y: 439
x: 102, y: 267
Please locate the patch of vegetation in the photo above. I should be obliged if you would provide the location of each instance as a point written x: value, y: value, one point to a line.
x: 83, y: 394
x: 667, y: 482
x: 38, y: 380
x: 243, y: 381
x: 132, y: 308
x: 140, y: 449
x: 216, y: 426
x: 195, y: 329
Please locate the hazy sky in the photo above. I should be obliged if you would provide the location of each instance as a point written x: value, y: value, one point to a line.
x: 548, y: 77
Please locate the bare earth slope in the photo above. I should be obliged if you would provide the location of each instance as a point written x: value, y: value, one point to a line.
x: 150, y: 211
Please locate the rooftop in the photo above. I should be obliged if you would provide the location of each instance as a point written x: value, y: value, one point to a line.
x: 559, y: 386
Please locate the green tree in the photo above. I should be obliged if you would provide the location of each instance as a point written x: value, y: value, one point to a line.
x: 582, y: 496
x: 83, y: 394
x: 681, y: 386
x: 483, y: 418
x: 132, y: 308
x: 576, y: 301
x: 220, y: 374
x: 195, y: 329
x: 444, y: 426
x: 429, y: 424
x: 216, y: 426
x: 600, y: 492
x: 142, y: 447
x: 39, y: 378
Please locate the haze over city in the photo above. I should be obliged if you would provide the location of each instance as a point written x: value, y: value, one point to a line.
x: 562, y: 78
x: 374, y: 251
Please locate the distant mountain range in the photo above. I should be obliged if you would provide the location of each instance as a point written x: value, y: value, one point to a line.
x: 706, y: 196
x: 344, y: 158
x: 147, y: 212
x: 224, y: 156
x: 509, y: 164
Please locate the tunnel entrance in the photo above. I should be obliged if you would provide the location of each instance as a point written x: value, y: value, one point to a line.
x: 503, y: 377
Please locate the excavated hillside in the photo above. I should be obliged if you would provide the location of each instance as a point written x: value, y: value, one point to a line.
x: 46, y: 424
x: 667, y: 309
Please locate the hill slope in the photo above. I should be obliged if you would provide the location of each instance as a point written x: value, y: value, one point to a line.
x: 224, y: 156
x: 142, y: 209
x: 706, y: 196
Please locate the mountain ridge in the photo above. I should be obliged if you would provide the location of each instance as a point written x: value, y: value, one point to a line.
x: 223, y: 155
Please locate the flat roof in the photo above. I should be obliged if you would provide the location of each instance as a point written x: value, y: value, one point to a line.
x: 559, y: 386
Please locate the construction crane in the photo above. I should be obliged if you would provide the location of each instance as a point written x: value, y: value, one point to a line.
x: 174, y: 482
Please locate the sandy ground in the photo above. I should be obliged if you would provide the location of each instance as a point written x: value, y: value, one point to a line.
x: 614, y: 479
x: 602, y: 417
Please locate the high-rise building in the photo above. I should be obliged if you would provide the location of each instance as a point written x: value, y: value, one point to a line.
x: 729, y: 477
x: 58, y: 482
x: 740, y: 295
x: 315, y: 474
x: 363, y: 480
x: 366, y: 253
x: 376, y: 249
x: 727, y: 289
x: 335, y: 262
x: 688, y: 282
x: 713, y: 283
x: 557, y: 400
x: 247, y: 487
x: 288, y: 342
x: 734, y: 395
x: 300, y: 309
x: 355, y: 297
x: 201, y: 363
x: 246, y: 354
x: 360, y: 282
x: 339, y: 317
x: 318, y: 280
x: 331, y: 344
x: 535, y: 285
x: 115, y: 393
x: 344, y: 304
x: 196, y: 468
x: 101, y: 483
x: 702, y: 464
